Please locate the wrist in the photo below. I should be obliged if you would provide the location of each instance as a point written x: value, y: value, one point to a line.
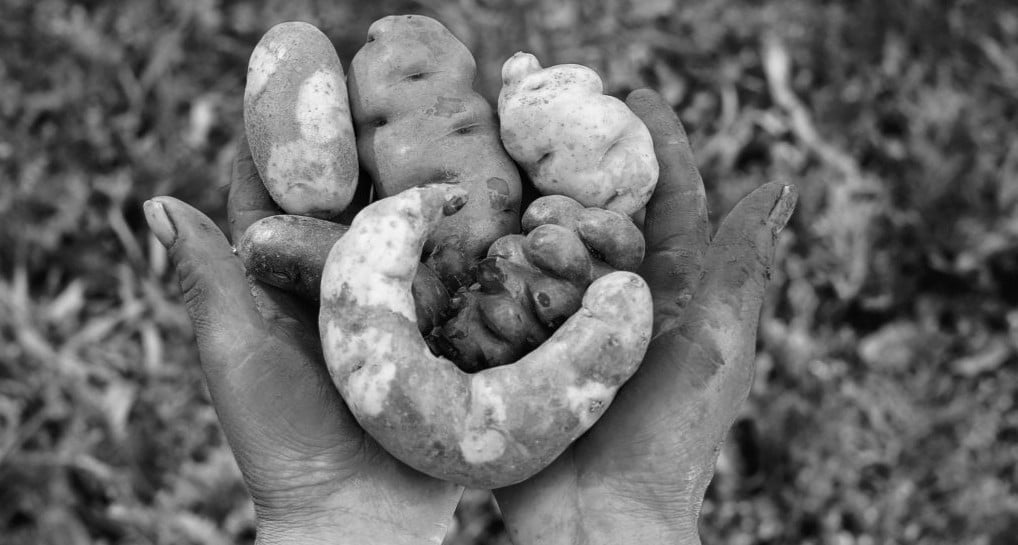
x: 360, y: 515
x: 346, y: 529
x: 597, y: 520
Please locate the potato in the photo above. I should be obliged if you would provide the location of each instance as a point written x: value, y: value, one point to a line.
x: 419, y: 121
x: 488, y: 429
x: 542, y: 276
x: 611, y: 238
x: 498, y: 275
x: 467, y: 340
x: 509, y: 247
x: 298, y: 124
x: 558, y: 250
x: 289, y: 252
x: 572, y: 139
x: 555, y: 300
x: 511, y: 320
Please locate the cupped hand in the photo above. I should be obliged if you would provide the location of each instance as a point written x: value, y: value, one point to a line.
x: 314, y: 475
x: 640, y: 474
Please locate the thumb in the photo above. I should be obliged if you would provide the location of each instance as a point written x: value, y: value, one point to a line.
x: 717, y: 336
x: 738, y: 263
x: 215, y: 290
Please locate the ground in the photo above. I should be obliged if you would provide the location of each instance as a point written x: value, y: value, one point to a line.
x: 884, y: 406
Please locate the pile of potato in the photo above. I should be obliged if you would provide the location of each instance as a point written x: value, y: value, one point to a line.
x: 470, y: 350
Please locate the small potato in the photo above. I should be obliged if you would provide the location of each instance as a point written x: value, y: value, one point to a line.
x: 509, y: 247
x: 557, y: 250
x: 289, y: 252
x: 545, y: 272
x: 497, y: 275
x: 553, y: 210
x: 511, y: 321
x: 554, y: 300
x: 572, y: 139
x: 469, y: 342
x: 298, y: 124
x: 431, y: 299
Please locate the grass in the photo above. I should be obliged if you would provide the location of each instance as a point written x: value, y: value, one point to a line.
x: 884, y: 408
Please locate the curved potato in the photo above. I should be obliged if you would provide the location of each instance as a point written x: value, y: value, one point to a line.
x: 298, y: 124
x: 488, y: 429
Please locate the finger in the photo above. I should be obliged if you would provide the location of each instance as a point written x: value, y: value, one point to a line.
x: 714, y: 346
x: 511, y: 321
x: 249, y: 201
x: 676, y: 226
x: 215, y: 290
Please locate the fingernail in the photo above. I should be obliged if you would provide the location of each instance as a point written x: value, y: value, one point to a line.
x: 159, y: 222
x: 783, y: 208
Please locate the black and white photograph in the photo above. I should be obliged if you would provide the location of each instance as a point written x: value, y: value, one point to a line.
x: 508, y: 272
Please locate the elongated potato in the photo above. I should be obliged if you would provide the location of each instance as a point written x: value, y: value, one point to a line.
x: 572, y: 139
x: 487, y: 429
x: 297, y: 118
x: 419, y: 121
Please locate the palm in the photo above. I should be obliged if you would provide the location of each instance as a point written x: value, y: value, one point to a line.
x: 652, y: 454
x: 298, y: 447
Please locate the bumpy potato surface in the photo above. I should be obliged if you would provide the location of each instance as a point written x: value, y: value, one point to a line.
x: 572, y: 139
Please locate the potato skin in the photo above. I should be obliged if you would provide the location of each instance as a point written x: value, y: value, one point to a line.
x: 532, y: 283
x: 572, y: 139
x: 555, y: 248
x: 289, y: 252
x: 419, y: 121
x: 298, y: 124
x: 488, y: 429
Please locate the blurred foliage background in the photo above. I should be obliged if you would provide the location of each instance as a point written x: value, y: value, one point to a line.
x: 884, y: 408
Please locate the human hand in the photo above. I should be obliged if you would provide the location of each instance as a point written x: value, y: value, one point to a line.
x: 314, y: 475
x: 640, y: 474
